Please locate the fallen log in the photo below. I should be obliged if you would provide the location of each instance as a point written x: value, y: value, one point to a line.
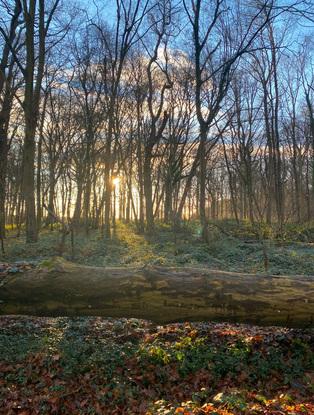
x: 161, y: 294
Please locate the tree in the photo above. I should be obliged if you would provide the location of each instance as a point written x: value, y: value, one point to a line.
x: 35, y: 14
x: 129, y: 18
x: 158, y: 83
x: 216, y: 52
x: 10, y: 42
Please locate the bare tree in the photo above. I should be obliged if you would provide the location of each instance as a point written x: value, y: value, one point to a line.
x: 10, y: 39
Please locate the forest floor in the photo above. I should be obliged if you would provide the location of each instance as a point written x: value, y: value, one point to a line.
x: 93, y: 365
x: 127, y: 366
x: 232, y: 247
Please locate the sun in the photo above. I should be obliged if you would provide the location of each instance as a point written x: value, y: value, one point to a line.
x: 116, y: 181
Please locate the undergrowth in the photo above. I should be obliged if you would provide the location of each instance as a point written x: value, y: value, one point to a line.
x: 232, y: 247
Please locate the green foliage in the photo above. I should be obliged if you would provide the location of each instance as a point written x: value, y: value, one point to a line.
x: 233, y: 400
x: 191, y: 355
x: 299, y: 232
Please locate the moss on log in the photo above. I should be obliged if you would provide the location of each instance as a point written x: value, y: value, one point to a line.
x: 161, y: 294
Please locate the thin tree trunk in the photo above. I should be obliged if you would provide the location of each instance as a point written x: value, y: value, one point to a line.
x: 148, y: 190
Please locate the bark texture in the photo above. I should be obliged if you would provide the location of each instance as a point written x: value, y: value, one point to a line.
x: 160, y: 294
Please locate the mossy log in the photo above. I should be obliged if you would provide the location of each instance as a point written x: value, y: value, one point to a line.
x: 161, y: 294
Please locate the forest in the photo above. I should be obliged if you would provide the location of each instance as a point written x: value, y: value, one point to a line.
x: 157, y: 207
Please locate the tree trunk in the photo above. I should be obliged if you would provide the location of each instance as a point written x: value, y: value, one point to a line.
x: 148, y: 191
x: 6, y: 93
x: 108, y: 190
x: 168, y: 210
x: 140, y: 188
x: 39, y: 183
x: 3, y: 173
x: 202, y: 182
x: 161, y: 294
x: 29, y: 181
x: 39, y: 195
x: 78, y: 203
x: 51, y: 195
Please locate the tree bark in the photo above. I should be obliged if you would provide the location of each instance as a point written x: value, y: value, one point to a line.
x: 29, y: 181
x: 3, y: 172
x: 160, y: 294
x: 148, y: 189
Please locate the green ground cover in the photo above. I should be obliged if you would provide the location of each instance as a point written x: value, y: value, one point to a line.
x: 127, y: 366
x: 232, y: 247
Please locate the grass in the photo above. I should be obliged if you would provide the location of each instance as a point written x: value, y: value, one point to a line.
x: 235, y: 248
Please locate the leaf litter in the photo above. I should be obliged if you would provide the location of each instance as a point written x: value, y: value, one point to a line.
x: 94, y: 365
